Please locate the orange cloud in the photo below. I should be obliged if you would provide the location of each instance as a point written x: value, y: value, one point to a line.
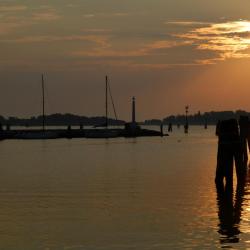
x: 9, y: 26
x: 228, y: 40
x: 186, y: 23
x: 115, y: 14
x: 100, y: 40
x: 144, y: 50
x: 10, y: 21
x: 48, y: 15
x: 13, y: 8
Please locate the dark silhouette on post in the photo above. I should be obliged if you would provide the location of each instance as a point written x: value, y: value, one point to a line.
x: 170, y: 127
x: 205, y: 126
x: 229, y: 151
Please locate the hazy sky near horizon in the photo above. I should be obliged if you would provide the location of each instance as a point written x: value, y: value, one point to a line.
x: 167, y: 53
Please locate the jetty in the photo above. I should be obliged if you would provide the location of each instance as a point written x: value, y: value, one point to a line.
x: 131, y: 129
x: 29, y: 134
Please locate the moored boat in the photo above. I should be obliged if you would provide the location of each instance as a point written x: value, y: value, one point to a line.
x: 103, y: 133
x: 36, y: 134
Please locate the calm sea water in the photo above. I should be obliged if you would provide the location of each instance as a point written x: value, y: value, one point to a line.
x: 128, y: 194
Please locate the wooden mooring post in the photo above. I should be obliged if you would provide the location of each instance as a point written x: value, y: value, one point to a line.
x: 161, y: 129
x: 244, y: 128
x: 186, y: 122
x: 231, y: 150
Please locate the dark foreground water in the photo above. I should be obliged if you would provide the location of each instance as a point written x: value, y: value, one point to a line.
x: 128, y: 194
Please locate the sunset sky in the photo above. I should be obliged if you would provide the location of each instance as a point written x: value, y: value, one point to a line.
x: 167, y: 53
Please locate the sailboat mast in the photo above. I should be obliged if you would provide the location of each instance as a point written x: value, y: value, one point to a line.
x: 43, y: 102
x: 106, y: 101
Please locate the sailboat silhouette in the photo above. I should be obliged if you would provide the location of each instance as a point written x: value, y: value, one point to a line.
x: 105, y: 132
x: 39, y: 134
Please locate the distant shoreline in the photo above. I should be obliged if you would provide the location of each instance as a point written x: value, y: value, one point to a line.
x: 209, y: 118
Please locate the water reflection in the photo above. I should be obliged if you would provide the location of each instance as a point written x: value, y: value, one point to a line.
x: 230, y: 207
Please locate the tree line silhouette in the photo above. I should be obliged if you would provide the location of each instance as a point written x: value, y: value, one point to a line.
x: 210, y: 118
x: 59, y: 120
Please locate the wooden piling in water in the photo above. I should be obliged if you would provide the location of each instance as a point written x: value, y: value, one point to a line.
x: 186, y: 123
x: 244, y: 128
x: 205, y: 125
x: 161, y: 129
x: 186, y: 128
x: 229, y: 151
